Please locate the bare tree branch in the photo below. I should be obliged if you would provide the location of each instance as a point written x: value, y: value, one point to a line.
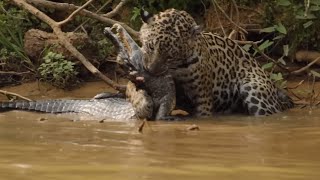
x: 64, y: 41
x: 74, y: 13
x: 116, y: 9
x: 83, y: 12
x: 102, y: 7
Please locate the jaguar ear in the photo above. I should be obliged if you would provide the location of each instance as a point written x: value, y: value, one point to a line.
x: 145, y: 15
x: 196, y: 30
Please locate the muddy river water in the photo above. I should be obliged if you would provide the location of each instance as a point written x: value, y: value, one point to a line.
x: 282, y: 146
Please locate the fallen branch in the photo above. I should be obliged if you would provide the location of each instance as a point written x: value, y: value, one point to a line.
x: 13, y: 73
x: 6, y: 93
x: 64, y: 41
x: 70, y: 7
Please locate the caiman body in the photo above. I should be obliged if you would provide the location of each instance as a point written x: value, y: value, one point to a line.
x: 114, y: 108
x: 152, y: 98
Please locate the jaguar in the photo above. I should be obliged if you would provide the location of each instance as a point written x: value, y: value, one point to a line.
x: 215, y: 73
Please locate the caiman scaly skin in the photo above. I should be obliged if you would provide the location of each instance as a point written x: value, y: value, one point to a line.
x: 160, y: 87
x: 114, y: 108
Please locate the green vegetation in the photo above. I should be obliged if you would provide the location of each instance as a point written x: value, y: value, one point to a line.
x: 13, y: 24
x: 58, y: 71
x: 300, y: 20
x: 291, y: 25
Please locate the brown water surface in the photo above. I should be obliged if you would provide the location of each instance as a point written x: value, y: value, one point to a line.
x: 282, y: 146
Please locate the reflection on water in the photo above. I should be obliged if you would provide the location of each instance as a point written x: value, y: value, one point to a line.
x: 283, y: 146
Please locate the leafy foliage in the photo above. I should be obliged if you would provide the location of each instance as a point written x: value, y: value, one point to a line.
x: 291, y: 25
x: 157, y: 5
x: 194, y: 7
x: 13, y: 24
x: 58, y: 71
x: 299, y: 19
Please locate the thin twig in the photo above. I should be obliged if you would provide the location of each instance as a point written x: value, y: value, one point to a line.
x: 204, y: 7
x: 295, y: 95
x: 6, y: 93
x: 237, y: 14
x: 74, y: 13
x: 102, y: 7
x: 141, y: 126
x: 228, y: 18
x: 250, y: 9
x: 296, y: 86
x: 116, y: 9
x: 231, y: 35
x: 220, y: 24
x: 296, y: 72
x: 248, y: 42
x: 269, y: 58
x: 312, y: 91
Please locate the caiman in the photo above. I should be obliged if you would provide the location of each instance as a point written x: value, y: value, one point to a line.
x: 147, y: 96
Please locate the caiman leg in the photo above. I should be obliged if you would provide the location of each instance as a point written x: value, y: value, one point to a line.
x: 165, y: 101
x: 161, y: 88
x: 140, y: 99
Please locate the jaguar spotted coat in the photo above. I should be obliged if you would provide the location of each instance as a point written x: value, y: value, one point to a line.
x: 215, y: 73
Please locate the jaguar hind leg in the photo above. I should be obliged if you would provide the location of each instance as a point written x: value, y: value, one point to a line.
x: 258, y: 100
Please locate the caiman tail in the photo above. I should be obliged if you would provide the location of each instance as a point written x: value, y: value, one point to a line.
x: 115, y: 108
